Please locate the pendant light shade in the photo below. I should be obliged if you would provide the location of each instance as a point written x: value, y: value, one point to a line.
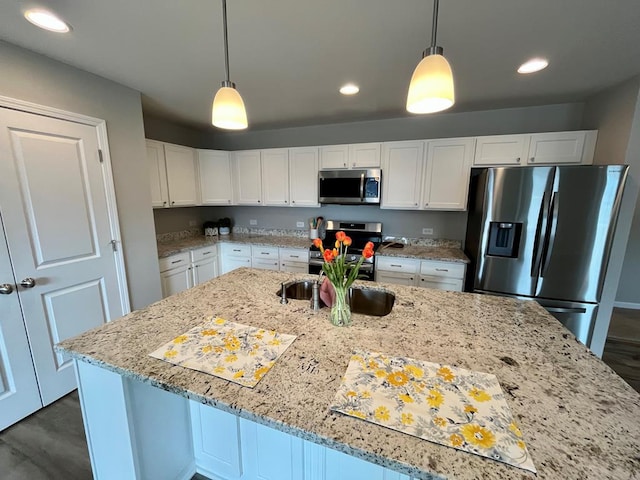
x: 228, y: 110
x: 431, y: 89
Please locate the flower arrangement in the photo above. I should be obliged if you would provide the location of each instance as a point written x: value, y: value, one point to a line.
x: 341, y: 274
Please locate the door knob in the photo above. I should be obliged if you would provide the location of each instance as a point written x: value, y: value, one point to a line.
x: 28, y: 282
x: 6, y: 289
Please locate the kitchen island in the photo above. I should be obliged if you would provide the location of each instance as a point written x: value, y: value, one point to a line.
x: 578, y: 418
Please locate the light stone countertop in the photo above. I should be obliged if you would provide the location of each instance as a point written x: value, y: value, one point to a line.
x: 442, y: 253
x: 579, y: 419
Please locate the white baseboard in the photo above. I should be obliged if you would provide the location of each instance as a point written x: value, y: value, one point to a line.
x: 630, y: 305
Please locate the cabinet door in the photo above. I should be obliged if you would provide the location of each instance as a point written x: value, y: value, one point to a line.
x: 231, y: 263
x: 334, y: 156
x: 402, y: 174
x: 440, y: 283
x: 215, y: 177
x: 364, y: 155
x: 265, y: 264
x: 157, y: 174
x: 303, y: 177
x: 248, y: 177
x: 447, y: 170
x: 205, y: 270
x: 556, y: 148
x: 275, y: 176
x: 294, y: 267
x: 181, y: 175
x: 501, y: 150
x: 176, y: 280
x: 408, y: 279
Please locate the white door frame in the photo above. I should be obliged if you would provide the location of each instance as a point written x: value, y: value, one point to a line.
x: 103, y: 145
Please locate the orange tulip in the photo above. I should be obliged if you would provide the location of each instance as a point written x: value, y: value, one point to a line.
x: 347, y: 241
x: 369, y: 246
x: 340, y: 236
x: 328, y: 255
x: 317, y: 243
x: 337, y: 244
x: 367, y: 253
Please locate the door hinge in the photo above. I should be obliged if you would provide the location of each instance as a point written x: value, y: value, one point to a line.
x: 114, y: 245
x: 100, y: 156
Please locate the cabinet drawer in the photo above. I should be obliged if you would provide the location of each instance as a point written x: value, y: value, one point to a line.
x: 259, y: 252
x: 442, y: 269
x: 294, y: 255
x: 236, y: 250
x: 265, y: 264
x: 174, y: 261
x: 440, y: 283
x: 203, y: 253
x: 395, y: 264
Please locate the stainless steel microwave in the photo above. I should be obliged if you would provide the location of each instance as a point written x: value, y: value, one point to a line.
x: 350, y: 187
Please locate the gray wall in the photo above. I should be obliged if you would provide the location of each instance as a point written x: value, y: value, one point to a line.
x: 616, y: 113
x: 38, y: 79
x: 166, y: 131
x: 449, y: 225
x: 548, y: 118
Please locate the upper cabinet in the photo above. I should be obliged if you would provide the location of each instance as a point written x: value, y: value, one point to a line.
x: 215, y: 177
x: 303, y: 177
x: 357, y: 155
x: 402, y: 164
x: 247, y: 177
x: 275, y: 176
x: 173, y: 175
x: 446, y: 174
x: 555, y: 148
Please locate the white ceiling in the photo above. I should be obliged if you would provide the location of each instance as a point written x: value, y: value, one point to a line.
x: 288, y: 57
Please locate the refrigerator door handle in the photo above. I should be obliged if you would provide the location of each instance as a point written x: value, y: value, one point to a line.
x: 565, y: 310
x: 541, y: 232
x: 553, y: 226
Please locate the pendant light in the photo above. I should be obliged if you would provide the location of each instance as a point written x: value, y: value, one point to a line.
x: 228, y: 110
x: 431, y: 87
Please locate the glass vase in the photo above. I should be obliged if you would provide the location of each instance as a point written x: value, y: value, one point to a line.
x: 340, y: 310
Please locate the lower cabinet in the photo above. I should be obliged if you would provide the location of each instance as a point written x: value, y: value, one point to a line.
x: 187, y: 269
x: 264, y: 258
x: 421, y: 273
x: 234, y: 255
x: 233, y: 448
x: 295, y: 260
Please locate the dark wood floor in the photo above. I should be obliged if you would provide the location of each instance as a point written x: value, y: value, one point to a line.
x: 50, y: 444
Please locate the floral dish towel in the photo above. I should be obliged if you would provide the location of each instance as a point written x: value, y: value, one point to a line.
x: 238, y: 353
x: 446, y: 405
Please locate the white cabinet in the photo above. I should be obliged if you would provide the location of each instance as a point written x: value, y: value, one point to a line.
x: 247, y: 177
x: 356, y: 155
x: 501, y: 150
x: 294, y: 260
x: 446, y: 174
x: 402, y: 164
x: 552, y: 148
x: 265, y: 258
x: 173, y: 175
x: 215, y: 177
x: 275, y: 176
x: 423, y: 273
x: 234, y: 255
x: 204, y: 264
x: 557, y: 148
x: 303, y: 177
x: 175, y: 274
x: 334, y: 156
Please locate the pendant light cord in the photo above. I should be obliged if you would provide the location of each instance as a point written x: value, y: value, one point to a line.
x: 434, y: 28
x: 226, y: 39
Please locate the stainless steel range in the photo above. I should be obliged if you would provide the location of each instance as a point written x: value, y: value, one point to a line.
x: 360, y: 233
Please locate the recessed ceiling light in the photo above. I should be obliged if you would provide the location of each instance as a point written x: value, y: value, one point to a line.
x: 533, y: 65
x: 349, y: 89
x: 47, y: 20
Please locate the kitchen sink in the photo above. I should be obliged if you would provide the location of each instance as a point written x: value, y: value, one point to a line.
x: 366, y: 301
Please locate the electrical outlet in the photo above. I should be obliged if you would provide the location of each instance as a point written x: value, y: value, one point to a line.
x: 192, y: 223
x: 299, y: 224
x: 427, y: 231
x: 253, y: 221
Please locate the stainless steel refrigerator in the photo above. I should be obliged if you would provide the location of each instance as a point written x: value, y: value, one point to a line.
x: 544, y: 233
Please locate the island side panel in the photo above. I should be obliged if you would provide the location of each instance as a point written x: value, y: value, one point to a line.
x: 134, y: 431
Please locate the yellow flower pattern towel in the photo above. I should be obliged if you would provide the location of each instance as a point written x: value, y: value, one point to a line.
x: 446, y: 405
x: 238, y: 353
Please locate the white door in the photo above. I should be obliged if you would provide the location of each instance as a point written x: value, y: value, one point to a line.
x: 556, y: 147
x: 447, y: 170
x: 215, y: 177
x: 176, y: 280
x: 334, y: 156
x: 248, y: 178
x: 181, y: 175
x: 53, y: 202
x: 303, y: 176
x: 364, y: 155
x: 402, y: 174
x: 157, y: 174
x: 19, y: 395
x: 275, y: 176
x: 501, y: 150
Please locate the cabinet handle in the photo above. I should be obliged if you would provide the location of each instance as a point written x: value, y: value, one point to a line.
x: 258, y: 201
x: 176, y: 261
x: 518, y: 159
x: 237, y: 250
x: 294, y: 256
x: 164, y: 203
x: 394, y: 265
x: 426, y: 204
x: 173, y: 203
x: 416, y: 204
x: 442, y: 269
x: 264, y: 253
x: 206, y: 253
x: 533, y: 159
x: 293, y: 201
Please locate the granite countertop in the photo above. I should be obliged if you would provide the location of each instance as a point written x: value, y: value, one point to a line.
x: 166, y: 249
x: 579, y: 419
x: 443, y: 253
